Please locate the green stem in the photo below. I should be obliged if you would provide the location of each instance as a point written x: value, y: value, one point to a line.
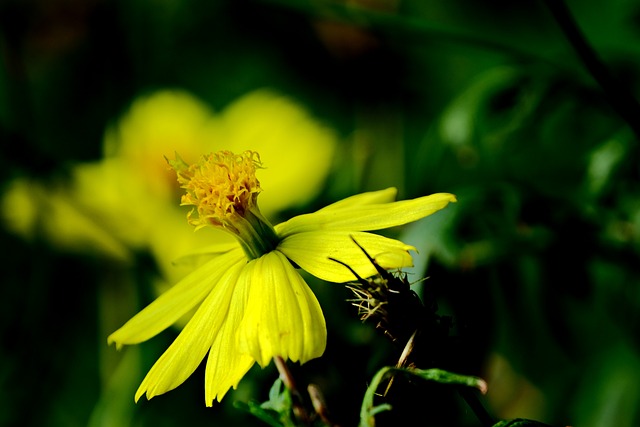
x: 620, y: 99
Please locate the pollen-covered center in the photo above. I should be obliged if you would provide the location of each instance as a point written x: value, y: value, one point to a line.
x: 222, y: 186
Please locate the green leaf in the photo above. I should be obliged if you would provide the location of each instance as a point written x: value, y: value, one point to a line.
x: 276, y: 411
x: 279, y: 398
x: 263, y: 414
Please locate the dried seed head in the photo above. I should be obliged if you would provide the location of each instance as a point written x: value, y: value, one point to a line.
x: 387, y: 299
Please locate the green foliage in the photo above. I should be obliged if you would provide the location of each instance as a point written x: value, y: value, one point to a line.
x: 277, y: 411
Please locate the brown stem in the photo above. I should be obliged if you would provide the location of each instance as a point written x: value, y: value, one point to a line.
x: 289, y: 382
x: 319, y: 405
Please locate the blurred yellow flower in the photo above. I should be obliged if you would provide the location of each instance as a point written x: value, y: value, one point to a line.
x: 127, y: 200
x: 29, y: 207
x: 253, y: 305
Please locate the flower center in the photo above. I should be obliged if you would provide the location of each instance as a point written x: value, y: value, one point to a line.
x: 223, y: 189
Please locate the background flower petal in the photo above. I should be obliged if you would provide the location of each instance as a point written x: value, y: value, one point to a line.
x: 29, y: 207
x: 313, y: 251
x: 154, y: 126
x: 366, y: 217
x: 282, y: 317
x: 187, y: 351
x: 174, y: 303
x: 297, y: 150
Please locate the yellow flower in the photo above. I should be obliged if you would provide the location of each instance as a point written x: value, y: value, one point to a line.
x: 105, y: 206
x: 253, y: 305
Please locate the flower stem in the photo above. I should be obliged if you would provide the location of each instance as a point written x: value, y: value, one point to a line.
x: 289, y: 382
x: 319, y: 405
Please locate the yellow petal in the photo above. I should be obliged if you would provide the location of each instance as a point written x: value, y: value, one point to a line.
x: 28, y: 207
x: 187, y: 351
x: 282, y: 317
x: 152, y: 128
x: 313, y: 251
x: 226, y: 365
x: 366, y: 217
x: 387, y: 195
x: 20, y: 206
x: 174, y: 303
x: 373, y: 197
x: 192, y: 257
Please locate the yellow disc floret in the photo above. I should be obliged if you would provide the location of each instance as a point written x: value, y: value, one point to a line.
x: 221, y: 186
x: 223, y: 189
